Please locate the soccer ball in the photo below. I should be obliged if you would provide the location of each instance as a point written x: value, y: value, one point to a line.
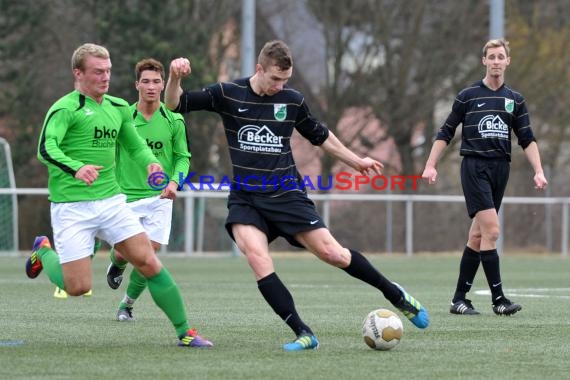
x: 382, y: 329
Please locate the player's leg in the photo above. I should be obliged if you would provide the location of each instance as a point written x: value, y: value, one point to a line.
x: 44, y: 257
x: 137, y: 285
x: 61, y: 293
x: 254, y: 244
x: 468, y: 267
x: 155, y: 215
x: 321, y: 243
x: 162, y: 287
x: 492, y: 177
x: 116, y: 269
x: 122, y: 230
x: 489, y: 222
x: 74, y: 238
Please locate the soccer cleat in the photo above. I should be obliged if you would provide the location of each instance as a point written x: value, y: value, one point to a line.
x: 303, y: 342
x: 125, y: 315
x: 114, y: 276
x: 59, y: 293
x: 33, y: 264
x: 88, y: 294
x: 463, y: 307
x: 504, y: 306
x: 412, y: 309
x: 192, y: 339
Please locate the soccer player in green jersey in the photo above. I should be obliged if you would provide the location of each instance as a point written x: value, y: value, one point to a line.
x: 77, y: 144
x: 165, y: 133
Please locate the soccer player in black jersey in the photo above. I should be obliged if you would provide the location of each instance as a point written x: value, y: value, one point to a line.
x: 267, y: 200
x: 489, y: 111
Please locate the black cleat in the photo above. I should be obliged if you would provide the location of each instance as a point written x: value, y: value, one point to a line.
x: 463, y: 307
x: 504, y: 306
x: 114, y: 276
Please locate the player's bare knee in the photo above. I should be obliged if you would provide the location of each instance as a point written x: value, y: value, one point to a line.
x: 332, y: 256
x: 78, y: 290
x: 149, y: 266
x: 492, y: 234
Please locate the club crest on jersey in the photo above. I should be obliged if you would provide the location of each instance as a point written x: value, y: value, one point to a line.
x: 280, y: 111
x: 509, y: 105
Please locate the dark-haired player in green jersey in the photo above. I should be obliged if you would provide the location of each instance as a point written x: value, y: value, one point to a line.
x: 77, y: 144
x: 259, y: 115
x: 490, y: 111
x: 165, y: 133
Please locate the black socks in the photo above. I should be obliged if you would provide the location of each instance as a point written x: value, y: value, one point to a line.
x: 281, y: 301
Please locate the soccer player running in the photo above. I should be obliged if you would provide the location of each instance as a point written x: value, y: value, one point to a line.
x: 489, y: 111
x: 77, y: 144
x: 165, y: 133
x: 267, y: 200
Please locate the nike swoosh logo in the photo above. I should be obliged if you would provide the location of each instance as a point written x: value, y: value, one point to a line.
x: 242, y: 109
x: 495, y: 285
x: 314, y: 221
x: 479, y: 105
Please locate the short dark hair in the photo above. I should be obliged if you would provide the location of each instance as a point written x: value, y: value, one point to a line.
x: 275, y: 53
x: 148, y: 64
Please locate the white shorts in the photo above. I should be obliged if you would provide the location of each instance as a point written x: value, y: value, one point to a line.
x: 155, y: 215
x: 76, y: 224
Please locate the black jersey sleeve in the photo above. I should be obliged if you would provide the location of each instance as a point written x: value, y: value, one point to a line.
x: 521, y: 123
x: 456, y: 116
x: 195, y: 101
x: 309, y: 127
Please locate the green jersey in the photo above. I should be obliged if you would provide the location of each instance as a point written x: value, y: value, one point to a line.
x: 78, y: 131
x: 165, y: 134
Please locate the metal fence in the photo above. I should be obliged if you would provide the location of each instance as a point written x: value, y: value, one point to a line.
x: 194, y: 231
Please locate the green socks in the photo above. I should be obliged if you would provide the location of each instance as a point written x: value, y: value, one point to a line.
x: 51, y: 265
x: 167, y: 297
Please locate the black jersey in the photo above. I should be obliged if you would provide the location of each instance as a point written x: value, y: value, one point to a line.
x: 258, y: 130
x: 488, y: 117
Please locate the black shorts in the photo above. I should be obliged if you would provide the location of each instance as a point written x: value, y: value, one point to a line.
x: 285, y: 215
x: 484, y: 182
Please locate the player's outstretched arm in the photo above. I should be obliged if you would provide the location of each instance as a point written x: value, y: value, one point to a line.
x: 365, y: 166
x: 179, y: 68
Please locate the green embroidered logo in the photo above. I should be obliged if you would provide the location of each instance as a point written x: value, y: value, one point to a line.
x: 280, y: 111
x: 509, y: 105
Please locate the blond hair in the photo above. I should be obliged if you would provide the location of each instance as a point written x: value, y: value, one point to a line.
x: 82, y: 52
x: 495, y: 44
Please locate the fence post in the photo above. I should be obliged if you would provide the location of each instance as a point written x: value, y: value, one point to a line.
x: 564, y: 232
x: 189, y: 225
x: 409, y: 227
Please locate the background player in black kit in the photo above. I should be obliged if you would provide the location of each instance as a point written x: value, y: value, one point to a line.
x: 489, y: 111
x: 259, y: 114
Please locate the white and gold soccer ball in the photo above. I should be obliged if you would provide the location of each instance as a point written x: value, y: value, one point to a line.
x: 382, y: 329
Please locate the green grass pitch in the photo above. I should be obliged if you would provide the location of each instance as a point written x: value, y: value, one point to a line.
x: 78, y: 338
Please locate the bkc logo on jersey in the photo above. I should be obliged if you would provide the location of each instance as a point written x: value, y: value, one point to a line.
x: 259, y: 139
x: 103, y: 137
x: 156, y: 147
